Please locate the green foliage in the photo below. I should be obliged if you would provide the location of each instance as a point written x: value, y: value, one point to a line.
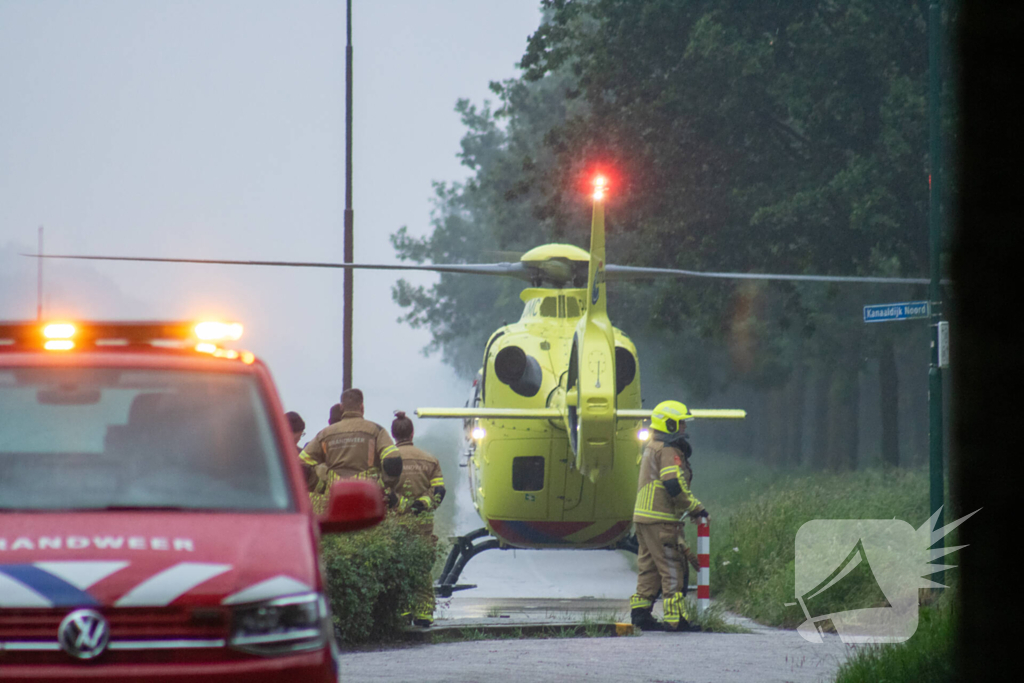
x: 373, y: 576
x: 757, y: 578
x: 712, y: 619
x: 927, y: 656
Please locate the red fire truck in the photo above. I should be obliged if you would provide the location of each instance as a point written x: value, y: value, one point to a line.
x: 154, y: 521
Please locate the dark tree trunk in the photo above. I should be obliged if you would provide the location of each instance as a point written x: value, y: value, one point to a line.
x: 797, y: 400
x: 775, y: 429
x: 843, y: 418
x: 819, y: 448
x: 888, y: 383
x: 750, y: 424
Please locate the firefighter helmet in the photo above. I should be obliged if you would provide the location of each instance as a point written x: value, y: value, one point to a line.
x: 668, y: 414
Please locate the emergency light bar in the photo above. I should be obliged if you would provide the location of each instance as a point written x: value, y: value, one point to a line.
x: 65, y: 336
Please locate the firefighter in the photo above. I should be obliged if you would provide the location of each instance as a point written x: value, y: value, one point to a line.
x: 351, y: 448
x: 663, y: 495
x: 415, y: 492
x: 297, y: 426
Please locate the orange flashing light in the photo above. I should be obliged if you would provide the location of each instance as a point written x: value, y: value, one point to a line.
x: 59, y: 345
x: 59, y: 331
x: 207, y: 347
x: 211, y: 330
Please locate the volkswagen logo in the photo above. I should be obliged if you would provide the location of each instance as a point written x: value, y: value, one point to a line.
x: 84, y: 633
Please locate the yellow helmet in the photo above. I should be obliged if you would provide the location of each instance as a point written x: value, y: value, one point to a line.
x: 668, y: 414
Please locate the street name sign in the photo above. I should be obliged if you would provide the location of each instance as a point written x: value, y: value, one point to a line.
x: 904, y: 311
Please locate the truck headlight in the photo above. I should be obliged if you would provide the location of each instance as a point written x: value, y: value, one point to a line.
x: 281, y: 626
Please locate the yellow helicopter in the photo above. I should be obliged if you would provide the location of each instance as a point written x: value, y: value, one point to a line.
x: 553, y: 424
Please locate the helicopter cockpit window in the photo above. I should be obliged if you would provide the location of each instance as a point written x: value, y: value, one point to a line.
x: 528, y: 473
x: 572, y: 307
x: 549, y: 307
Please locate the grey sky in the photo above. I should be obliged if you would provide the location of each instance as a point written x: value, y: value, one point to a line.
x: 216, y: 129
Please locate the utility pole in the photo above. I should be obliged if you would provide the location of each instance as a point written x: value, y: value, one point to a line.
x: 39, y: 277
x: 349, y: 218
x: 935, y: 249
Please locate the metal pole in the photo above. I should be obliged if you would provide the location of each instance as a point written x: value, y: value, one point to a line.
x: 39, y: 277
x: 349, y: 218
x: 704, y: 560
x: 935, y: 248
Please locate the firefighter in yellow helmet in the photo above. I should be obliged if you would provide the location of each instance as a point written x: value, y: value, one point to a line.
x: 663, y: 495
x: 415, y: 489
x: 351, y: 448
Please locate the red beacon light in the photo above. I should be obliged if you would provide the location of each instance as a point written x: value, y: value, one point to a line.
x: 600, y: 187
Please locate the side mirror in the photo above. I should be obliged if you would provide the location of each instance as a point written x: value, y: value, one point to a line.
x: 353, y: 504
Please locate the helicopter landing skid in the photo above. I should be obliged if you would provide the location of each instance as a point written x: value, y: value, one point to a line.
x: 629, y: 544
x: 465, y: 549
x: 461, y: 553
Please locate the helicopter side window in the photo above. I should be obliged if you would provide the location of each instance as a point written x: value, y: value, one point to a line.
x: 549, y: 307
x: 528, y: 473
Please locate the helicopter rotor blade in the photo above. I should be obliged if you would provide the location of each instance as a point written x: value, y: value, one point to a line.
x: 621, y: 273
x: 554, y: 271
x: 517, y: 270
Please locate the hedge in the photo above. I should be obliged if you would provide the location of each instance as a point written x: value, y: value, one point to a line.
x: 372, y: 577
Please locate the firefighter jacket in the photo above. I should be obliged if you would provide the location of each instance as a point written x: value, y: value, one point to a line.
x: 350, y: 448
x: 664, y: 464
x: 420, y: 480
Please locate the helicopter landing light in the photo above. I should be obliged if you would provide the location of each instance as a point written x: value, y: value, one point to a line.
x: 643, y: 434
x: 479, y: 433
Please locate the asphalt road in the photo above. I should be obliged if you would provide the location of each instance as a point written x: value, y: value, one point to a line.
x: 768, y: 657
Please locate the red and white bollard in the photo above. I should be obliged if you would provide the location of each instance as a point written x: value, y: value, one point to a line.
x: 704, y: 560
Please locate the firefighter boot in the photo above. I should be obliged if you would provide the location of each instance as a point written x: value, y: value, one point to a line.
x: 682, y: 627
x: 644, y: 620
x: 676, y: 615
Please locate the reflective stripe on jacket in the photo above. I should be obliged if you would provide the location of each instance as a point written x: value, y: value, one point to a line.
x: 421, y: 474
x: 659, y: 463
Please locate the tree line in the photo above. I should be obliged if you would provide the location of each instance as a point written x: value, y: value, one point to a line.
x: 738, y: 135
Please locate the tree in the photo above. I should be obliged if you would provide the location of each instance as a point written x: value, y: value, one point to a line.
x: 739, y: 135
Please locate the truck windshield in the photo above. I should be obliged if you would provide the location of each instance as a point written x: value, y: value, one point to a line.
x: 92, y: 438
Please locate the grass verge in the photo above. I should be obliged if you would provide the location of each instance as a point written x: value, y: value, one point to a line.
x: 927, y: 656
x: 753, y: 558
x: 713, y: 619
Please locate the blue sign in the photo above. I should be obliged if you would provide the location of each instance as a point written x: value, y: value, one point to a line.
x: 905, y: 311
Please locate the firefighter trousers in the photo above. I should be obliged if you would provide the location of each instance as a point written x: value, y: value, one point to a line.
x: 660, y: 565
x: 424, y: 608
x: 423, y: 601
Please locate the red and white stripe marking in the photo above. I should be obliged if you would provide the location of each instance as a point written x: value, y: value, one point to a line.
x: 704, y: 560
